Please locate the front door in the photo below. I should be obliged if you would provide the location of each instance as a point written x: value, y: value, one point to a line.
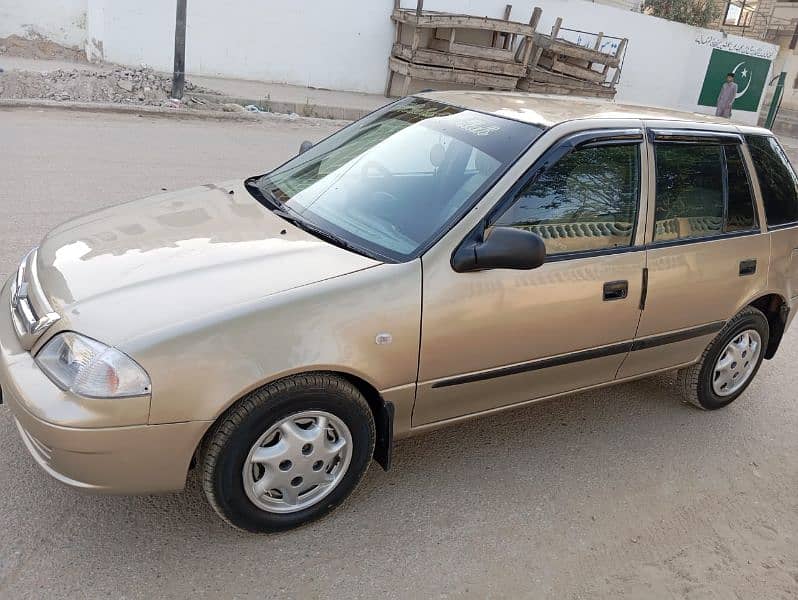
x: 707, y: 256
x: 499, y: 337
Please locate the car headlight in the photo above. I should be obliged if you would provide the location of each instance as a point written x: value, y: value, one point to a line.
x: 90, y: 368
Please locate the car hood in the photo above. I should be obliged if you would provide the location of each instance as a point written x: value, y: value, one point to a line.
x: 177, y: 255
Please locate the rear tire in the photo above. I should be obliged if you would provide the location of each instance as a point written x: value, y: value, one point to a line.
x: 288, y: 453
x: 729, y: 363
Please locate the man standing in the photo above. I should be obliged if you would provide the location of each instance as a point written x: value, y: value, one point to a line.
x: 728, y: 91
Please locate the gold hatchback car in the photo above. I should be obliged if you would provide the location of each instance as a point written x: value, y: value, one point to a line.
x: 450, y: 255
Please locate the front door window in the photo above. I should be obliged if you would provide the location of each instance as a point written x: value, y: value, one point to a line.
x: 586, y: 201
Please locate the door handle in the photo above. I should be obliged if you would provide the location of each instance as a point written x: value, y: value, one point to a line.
x: 616, y: 290
x: 747, y: 267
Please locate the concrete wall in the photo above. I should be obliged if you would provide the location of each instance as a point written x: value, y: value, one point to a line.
x: 345, y: 45
x: 63, y: 21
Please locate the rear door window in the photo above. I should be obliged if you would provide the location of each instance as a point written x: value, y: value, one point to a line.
x: 689, y: 201
x: 703, y: 190
x: 777, y: 180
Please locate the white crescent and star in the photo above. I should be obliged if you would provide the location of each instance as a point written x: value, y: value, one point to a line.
x: 744, y: 74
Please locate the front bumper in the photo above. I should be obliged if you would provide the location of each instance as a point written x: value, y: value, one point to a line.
x: 63, y: 437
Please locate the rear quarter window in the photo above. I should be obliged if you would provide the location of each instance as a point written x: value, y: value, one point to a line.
x: 777, y: 180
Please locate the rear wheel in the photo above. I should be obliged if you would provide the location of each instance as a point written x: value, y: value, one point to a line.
x: 288, y: 453
x: 729, y: 363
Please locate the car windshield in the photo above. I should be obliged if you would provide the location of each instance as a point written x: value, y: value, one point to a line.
x: 390, y: 184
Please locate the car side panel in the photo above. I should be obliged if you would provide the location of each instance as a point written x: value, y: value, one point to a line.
x: 783, y: 273
x: 692, y: 285
x: 695, y: 283
x: 332, y: 325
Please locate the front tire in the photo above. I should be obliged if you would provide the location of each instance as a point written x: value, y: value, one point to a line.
x: 729, y: 363
x: 288, y: 453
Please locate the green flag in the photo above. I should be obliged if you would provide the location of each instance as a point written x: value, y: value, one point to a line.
x: 750, y: 74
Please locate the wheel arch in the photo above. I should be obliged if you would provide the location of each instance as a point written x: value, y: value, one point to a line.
x: 776, y: 310
x: 381, y: 409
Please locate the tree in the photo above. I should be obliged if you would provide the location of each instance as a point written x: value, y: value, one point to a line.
x: 699, y: 13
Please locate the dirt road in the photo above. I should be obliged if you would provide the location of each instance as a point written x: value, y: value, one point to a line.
x: 619, y: 493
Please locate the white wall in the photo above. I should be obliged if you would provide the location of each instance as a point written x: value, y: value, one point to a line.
x: 63, y: 21
x: 321, y: 43
x: 345, y: 44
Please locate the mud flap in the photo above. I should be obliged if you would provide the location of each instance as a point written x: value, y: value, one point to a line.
x: 384, y: 443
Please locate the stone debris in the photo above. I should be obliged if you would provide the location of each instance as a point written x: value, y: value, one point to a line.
x: 122, y: 85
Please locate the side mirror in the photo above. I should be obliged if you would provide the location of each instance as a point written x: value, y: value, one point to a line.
x: 503, y: 248
x: 305, y: 146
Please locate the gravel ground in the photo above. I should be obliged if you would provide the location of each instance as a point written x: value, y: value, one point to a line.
x: 619, y: 493
x: 120, y: 85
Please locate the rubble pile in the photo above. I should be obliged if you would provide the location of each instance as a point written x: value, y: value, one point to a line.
x: 124, y: 85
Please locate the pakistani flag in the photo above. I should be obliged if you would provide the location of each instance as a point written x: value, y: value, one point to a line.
x: 750, y: 74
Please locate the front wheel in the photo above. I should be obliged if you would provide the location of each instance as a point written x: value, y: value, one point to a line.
x: 288, y: 453
x: 729, y: 363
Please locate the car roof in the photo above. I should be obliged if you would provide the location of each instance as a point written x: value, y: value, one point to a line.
x: 549, y: 110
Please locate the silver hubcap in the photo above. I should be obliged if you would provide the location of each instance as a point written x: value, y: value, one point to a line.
x: 736, y: 363
x: 297, y: 462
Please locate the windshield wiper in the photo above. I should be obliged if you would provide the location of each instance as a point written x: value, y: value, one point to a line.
x: 325, y: 235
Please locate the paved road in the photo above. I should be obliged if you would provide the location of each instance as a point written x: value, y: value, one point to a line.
x: 622, y: 492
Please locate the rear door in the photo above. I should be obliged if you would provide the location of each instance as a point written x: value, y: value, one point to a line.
x: 779, y: 189
x: 707, y: 254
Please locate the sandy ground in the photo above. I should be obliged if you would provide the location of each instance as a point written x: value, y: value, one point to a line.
x: 36, y: 46
x: 619, y: 493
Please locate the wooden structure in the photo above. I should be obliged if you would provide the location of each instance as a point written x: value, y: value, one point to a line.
x: 500, y: 54
x: 459, y: 49
x: 559, y: 66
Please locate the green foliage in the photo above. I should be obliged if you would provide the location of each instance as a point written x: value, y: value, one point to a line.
x: 699, y: 13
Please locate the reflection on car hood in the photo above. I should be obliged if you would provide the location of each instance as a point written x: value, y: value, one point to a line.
x: 180, y: 253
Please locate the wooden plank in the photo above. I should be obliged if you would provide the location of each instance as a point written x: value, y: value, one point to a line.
x: 533, y: 23
x: 472, y: 50
x: 429, y: 20
x: 449, y: 75
x: 570, y: 49
x: 560, y: 90
x: 553, y: 64
x: 578, y: 72
x: 416, y: 38
x: 556, y: 29
x: 599, y: 37
x: 435, y: 58
x: 495, y: 38
x: 621, y: 49
x: 616, y: 77
x: 406, y: 85
x: 577, y: 62
x: 389, y: 84
x: 544, y: 76
x: 533, y: 63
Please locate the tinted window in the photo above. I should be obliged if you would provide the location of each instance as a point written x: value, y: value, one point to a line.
x: 776, y: 179
x: 740, y: 212
x: 586, y: 201
x: 689, y: 200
